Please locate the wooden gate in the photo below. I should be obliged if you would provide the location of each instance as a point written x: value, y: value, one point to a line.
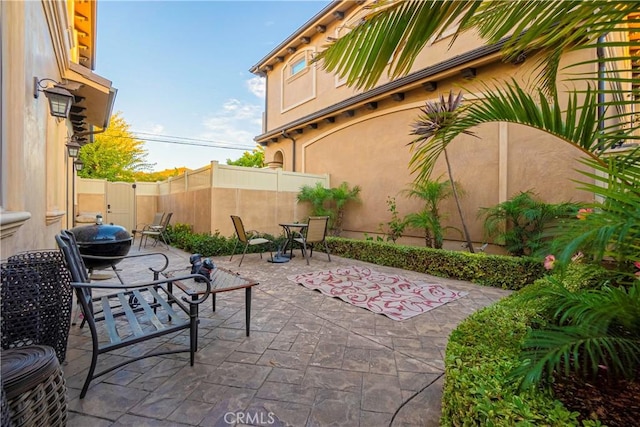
x: 120, y: 204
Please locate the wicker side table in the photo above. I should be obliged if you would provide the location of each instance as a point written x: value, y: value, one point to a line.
x: 35, y: 387
x: 35, y: 301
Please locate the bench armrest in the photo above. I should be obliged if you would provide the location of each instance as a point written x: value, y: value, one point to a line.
x: 127, y: 286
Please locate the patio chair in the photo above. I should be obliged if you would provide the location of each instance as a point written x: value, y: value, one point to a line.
x: 316, y: 232
x: 125, y: 315
x: 154, y: 225
x: 159, y: 233
x: 247, y: 237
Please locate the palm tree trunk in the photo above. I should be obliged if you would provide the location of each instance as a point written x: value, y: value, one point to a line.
x: 457, y: 199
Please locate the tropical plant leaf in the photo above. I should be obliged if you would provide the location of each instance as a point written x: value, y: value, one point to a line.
x: 392, y: 31
x: 575, y: 124
x: 595, y: 329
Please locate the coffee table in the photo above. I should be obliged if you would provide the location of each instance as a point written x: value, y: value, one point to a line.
x: 222, y: 280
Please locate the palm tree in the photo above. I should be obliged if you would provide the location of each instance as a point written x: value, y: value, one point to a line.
x: 329, y: 202
x: 340, y: 196
x: 318, y: 196
x: 429, y: 218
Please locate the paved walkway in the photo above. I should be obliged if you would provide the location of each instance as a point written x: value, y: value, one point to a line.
x: 311, y: 360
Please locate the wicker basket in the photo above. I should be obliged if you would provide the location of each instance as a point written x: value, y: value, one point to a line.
x: 34, y: 385
x: 36, y: 300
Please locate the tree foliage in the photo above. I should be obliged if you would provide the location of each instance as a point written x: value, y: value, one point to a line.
x: 253, y: 159
x: 429, y: 218
x: 115, y: 154
x: 519, y: 223
x: 329, y: 202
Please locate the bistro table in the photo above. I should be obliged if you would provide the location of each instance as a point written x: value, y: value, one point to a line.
x: 289, y: 231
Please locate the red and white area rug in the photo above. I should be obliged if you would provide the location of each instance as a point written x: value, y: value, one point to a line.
x: 394, y: 296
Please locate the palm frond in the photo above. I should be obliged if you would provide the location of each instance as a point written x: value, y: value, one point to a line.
x: 575, y: 124
x: 576, y: 349
x: 595, y: 329
x: 550, y: 28
x: 613, y: 228
x: 394, y: 32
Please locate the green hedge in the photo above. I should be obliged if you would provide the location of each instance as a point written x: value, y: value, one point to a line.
x: 499, y: 271
x: 489, y: 270
x: 481, y: 353
x: 484, y: 349
x: 206, y: 244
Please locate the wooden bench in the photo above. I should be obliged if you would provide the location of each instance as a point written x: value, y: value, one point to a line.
x: 131, y: 313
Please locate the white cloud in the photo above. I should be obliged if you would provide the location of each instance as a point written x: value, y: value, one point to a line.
x: 256, y: 86
x: 238, y: 122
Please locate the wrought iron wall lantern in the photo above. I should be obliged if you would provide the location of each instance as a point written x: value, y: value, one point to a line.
x: 60, y: 99
x: 73, y: 149
x: 79, y: 165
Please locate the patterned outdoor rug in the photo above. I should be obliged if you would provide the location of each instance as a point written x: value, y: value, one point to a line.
x: 394, y: 296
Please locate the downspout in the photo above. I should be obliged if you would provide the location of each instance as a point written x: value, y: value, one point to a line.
x: 89, y: 133
x: 601, y: 87
x: 287, y: 135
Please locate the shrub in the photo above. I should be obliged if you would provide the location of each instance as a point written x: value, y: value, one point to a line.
x: 520, y: 222
x: 489, y: 270
x: 481, y: 355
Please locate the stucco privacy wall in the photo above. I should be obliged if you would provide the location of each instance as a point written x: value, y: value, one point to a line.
x: 205, y: 198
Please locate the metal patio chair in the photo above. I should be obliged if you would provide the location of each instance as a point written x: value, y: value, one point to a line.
x: 125, y: 315
x: 159, y: 232
x: 247, y: 238
x: 315, y: 233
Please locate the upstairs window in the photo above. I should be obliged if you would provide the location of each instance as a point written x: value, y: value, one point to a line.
x: 298, y: 66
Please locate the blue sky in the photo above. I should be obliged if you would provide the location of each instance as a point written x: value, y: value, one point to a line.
x: 181, y: 70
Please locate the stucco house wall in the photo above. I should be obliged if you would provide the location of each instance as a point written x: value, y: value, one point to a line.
x: 33, y: 162
x: 44, y: 42
x: 362, y: 137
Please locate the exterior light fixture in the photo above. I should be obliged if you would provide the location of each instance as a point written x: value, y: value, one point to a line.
x: 60, y: 99
x: 78, y: 165
x: 73, y: 148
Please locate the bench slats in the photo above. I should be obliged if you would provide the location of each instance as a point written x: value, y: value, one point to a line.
x: 109, y: 320
x: 149, y: 311
x: 131, y: 316
x: 165, y: 305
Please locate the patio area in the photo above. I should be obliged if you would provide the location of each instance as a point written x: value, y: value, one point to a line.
x: 310, y: 360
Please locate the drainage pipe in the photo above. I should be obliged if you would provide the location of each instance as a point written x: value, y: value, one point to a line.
x: 287, y: 135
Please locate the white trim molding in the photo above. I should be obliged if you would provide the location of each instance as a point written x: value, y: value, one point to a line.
x: 10, y: 222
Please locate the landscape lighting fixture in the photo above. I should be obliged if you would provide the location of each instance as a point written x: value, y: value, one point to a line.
x: 60, y: 99
x: 79, y: 165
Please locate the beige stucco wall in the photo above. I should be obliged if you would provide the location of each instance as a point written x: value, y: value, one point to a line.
x: 205, y: 198
x: 35, y: 175
x: 370, y: 150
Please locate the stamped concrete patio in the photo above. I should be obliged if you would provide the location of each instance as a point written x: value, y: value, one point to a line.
x: 311, y: 360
